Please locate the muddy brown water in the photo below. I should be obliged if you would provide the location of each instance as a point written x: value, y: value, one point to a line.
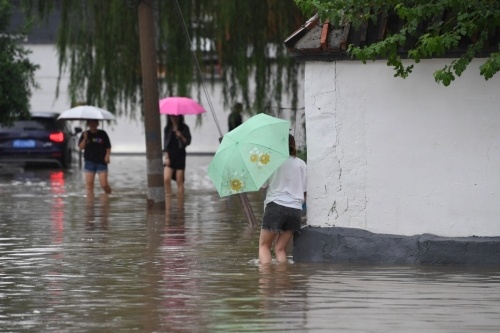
x: 69, y: 263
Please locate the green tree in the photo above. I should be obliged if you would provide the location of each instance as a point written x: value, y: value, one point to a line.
x: 17, y: 72
x: 238, y: 43
x: 428, y: 29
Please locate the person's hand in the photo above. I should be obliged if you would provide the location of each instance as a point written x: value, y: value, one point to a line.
x: 107, y: 159
x: 83, y: 142
x: 177, y: 133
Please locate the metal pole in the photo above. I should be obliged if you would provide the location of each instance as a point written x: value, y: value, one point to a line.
x: 247, y: 208
x: 156, y: 192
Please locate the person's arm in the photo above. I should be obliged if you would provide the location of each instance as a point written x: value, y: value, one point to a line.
x: 184, y: 135
x: 265, y: 185
x: 83, y: 140
x: 107, y: 156
x: 187, y: 135
x: 108, y: 148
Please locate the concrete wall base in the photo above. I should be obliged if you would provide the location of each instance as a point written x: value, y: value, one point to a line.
x: 334, y: 244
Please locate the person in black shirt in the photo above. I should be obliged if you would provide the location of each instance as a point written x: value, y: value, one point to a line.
x: 234, y: 120
x: 176, y: 137
x: 97, y: 150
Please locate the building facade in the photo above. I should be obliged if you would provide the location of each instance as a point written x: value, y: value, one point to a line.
x: 399, y: 170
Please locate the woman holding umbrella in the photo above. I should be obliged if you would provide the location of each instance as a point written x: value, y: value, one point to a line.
x: 97, y: 150
x: 285, y: 194
x: 176, y: 137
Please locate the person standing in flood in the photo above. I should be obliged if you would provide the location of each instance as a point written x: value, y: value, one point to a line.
x: 97, y: 150
x: 286, y: 191
x: 176, y: 137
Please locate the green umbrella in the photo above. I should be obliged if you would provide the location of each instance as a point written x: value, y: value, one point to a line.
x: 249, y: 154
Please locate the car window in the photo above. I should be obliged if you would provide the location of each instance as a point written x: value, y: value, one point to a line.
x: 34, y: 124
x: 63, y: 125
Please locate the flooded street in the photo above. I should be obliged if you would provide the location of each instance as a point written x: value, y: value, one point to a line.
x: 69, y: 263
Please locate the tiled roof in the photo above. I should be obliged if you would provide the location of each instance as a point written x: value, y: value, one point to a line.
x: 317, y: 40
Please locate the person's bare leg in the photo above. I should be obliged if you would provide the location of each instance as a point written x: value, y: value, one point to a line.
x: 167, y: 179
x: 266, y: 279
x: 89, y: 183
x: 180, y: 201
x: 179, y: 177
x: 104, y: 198
x: 90, y: 208
x: 281, y: 245
x: 265, y: 243
x: 103, y: 180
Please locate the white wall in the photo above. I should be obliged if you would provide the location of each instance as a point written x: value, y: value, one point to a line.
x: 402, y: 156
x: 127, y: 135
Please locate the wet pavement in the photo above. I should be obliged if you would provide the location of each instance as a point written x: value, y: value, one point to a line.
x: 69, y: 263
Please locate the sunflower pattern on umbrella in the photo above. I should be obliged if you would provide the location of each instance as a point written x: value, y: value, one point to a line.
x: 259, y: 158
x: 237, y: 180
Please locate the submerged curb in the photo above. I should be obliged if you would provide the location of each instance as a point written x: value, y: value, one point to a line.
x: 340, y: 245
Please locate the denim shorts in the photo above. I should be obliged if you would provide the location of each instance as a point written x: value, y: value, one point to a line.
x: 280, y: 218
x: 93, y: 167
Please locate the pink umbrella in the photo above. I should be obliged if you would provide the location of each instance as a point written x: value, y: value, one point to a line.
x: 180, y: 106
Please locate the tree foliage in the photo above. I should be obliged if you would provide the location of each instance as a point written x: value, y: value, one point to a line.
x: 17, y: 72
x: 429, y: 29
x: 238, y: 43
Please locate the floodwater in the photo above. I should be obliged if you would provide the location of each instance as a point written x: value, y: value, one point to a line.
x: 69, y: 263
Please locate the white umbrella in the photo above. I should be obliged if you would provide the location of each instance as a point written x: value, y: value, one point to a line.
x: 85, y: 112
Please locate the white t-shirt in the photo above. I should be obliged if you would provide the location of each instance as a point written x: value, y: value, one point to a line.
x: 287, y: 185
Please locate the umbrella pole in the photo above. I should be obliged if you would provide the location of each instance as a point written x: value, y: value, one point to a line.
x: 247, y: 208
x: 243, y: 197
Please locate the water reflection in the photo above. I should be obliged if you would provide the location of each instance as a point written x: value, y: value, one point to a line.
x: 180, y: 285
x: 283, y: 292
x: 174, y: 232
x: 274, y: 279
x: 57, y: 209
x: 97, y: 215
x: 170, y: 245
x: 72, y: 263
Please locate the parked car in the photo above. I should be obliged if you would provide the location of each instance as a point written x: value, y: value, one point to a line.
x: 40, y: 140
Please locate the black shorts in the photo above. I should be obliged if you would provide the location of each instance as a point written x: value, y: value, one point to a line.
x: 280, y: 218
x: 177, y: 160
